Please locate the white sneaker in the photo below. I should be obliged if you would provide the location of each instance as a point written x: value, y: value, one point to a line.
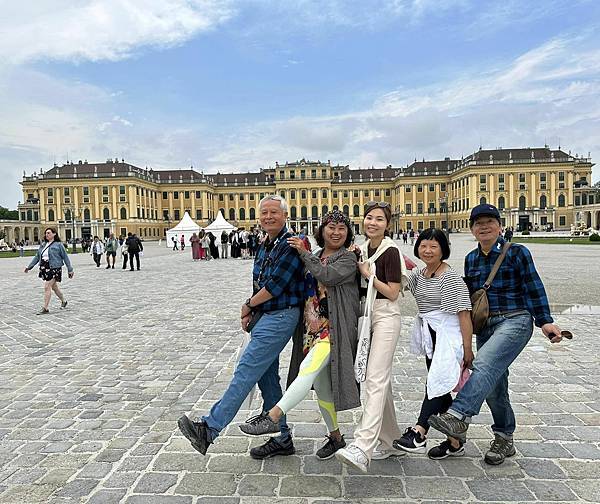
x: 380, y: 453
x: 353, y: 456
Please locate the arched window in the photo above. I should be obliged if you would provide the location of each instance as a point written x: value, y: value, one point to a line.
x: 51, y: 215
x: 543, y: 201
x: 292, y: 194
x: 335, y: 207
x: 501, y: 203
x: 324, y: 210
x: 303, y: 213
x: 346, y: 210
x: 293, y: 213
x: 356, y: 211
x: 106, y: 214
x: 252, y: 213
x: 561, y: 200
x: 123, y: 213
x: 482, y: 200
x: 522, y: 203
x: 86, y: 215
x: 314, y: 211
x: 232, y: 214
x: 242, y: 214
x: 67, y: 215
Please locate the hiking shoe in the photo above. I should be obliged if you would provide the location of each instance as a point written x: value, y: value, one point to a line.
x: 411, y: 441
x: 43, y: 311
x: 500, y: 448
x: 272, y: 448
x: 353, y: 456
x: 330, y: 447
x: 195, y: 432
x: 450, y: 425
x: 259, y: 425
x: 445, y: 450
x: 63, y: 304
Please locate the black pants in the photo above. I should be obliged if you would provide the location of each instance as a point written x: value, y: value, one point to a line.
x: 135, y: 254
x: 97, y: 258
x: 437, y: 404
x: 125, y: 256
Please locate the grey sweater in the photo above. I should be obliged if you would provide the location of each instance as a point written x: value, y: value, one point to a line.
x: 339, y: 276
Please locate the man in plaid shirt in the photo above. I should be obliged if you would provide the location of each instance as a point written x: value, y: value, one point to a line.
x: 516, y: 298
x: 278, y: 293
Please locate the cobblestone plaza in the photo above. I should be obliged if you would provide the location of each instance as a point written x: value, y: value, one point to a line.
x: 90, y: 395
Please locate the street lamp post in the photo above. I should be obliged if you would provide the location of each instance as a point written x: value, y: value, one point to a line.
x: 444, y: 201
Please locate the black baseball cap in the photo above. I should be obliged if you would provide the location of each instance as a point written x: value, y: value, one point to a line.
x: 485, y: 209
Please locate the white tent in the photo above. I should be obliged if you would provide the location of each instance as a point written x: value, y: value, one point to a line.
x: 186, y: 227
x: 219, y: 225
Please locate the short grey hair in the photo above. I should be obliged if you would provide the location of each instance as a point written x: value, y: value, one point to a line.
x: 274, y: 197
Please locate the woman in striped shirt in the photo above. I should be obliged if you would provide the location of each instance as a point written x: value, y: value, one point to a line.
x: 442, y: 333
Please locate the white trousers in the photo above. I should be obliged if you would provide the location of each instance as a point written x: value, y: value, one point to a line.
x: 378, y: 421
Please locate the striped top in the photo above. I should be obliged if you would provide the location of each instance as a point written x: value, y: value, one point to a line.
x: 447, y: 292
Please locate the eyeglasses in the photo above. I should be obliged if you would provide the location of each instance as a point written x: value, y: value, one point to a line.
x: 380, y: 204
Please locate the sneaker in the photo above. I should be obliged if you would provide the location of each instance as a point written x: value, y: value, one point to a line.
x: 411, y: 441
x: 328, y: 450
x: 500, y: 448
x: 259, y: 425
x: 272, y: 448
x: 113, y: 266
x: 380, y: 453
x: 63, y: 304
x: 450, y: 425
x: 445, y: 450
x: 108, y: 266
x: 43, y: 311
x: 353, y: 456
x: 195, y: 432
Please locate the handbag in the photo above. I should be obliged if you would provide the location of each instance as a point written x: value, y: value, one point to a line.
x: 364, y: 338
x: 480, y: 305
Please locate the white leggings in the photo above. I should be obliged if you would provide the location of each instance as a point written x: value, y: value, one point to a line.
x: 315, y: 371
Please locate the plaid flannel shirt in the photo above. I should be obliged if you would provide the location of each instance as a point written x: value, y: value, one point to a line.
x: 278, y: 268
x: 517, y: 284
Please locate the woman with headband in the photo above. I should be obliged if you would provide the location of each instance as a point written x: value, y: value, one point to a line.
x: 324, y: 357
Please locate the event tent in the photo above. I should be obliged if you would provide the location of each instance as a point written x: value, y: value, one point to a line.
x: 186, y: 227
x: 219, y: 225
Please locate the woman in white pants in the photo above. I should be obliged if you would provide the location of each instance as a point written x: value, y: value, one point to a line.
x: 381, y: 258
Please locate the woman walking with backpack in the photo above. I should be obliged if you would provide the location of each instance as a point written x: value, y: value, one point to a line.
x: 383, y: 267
x: 51, y: 255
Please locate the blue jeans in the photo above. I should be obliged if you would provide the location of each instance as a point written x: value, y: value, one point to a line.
x: 259, y: 364
x: 499, y: 344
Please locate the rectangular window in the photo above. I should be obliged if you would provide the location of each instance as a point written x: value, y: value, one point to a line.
x: 67, y: 191
x: 431, y: 208
x: 324, y: 193
x: 408, y: 208
x: 407, y: 188
x: 177, y: 216
x: 408, y: 225
x: 292, y: 174
x: 419, y: 208
x: 198, y: 195
x: 419, y: 187
x: 431, y: 187
x: 577, y: 200
x: 335, y: 194
x: 282, y: 174
x: 366, y: 193
x: 313, y: 193
x: 561, y: 176
x: 251, y: 196
x: 482, y: 179
x: 241, y: 196
x: 186, y: 194
x: 432, y: 224
x: 165, y: 195
x: 302, y: 174
x: 355, y: 193
x: 388, y: 192
x: 420, y: 225
x: 121, y: 190
x: 324, y: 173
x: 175, y: 195
x: 562, y: 220
x: 198, y: 214
x: 313, y: 173
x: 165, y: 214
x: 377, y: 193
x: 231, y: 197
x: 443, y: 187
x: 221, y: 197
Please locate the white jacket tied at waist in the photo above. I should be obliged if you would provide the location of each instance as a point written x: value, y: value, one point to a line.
x: 445, y: 369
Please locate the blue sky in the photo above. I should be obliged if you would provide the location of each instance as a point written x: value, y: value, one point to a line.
x: 237, y: 86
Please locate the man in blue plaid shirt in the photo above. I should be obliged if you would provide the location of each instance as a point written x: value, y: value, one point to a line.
x: 516, y: 298
x: 278, y: 293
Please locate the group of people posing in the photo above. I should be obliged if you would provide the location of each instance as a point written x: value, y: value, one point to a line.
x: 238, y: 243
x: 316, y: 298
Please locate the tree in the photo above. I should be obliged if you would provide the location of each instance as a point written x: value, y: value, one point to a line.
x: 5, y: 213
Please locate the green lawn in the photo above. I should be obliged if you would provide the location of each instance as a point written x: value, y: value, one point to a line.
x: 28, y: 253
x: 556, y: 241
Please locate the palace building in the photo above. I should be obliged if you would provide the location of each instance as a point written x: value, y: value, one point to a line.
x: 532, y: 187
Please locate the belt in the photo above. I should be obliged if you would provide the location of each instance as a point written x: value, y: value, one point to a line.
x: 507, y: 312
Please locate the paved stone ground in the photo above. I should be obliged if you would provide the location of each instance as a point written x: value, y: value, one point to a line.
x: 90, y: 395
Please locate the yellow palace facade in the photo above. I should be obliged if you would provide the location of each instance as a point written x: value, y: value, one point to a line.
x: 532, y: 187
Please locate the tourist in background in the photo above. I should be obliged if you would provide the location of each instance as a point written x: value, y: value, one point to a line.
x: 112, y: 244
x: 212, y: 245
x: 174, y: 240
x: 182, y: 240
x: 51, y: 255
x: 134, y: 247
x: 196, y: 247
x: 384, y: 264
x: 97, y: 249
x: 442, y: 333
x: 124, y: 253
x: 224, y: 245
x: 205, y: 242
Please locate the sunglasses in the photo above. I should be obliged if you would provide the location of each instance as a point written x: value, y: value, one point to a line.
x: 380, y: 204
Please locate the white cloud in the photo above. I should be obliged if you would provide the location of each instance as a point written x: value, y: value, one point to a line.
x: 102, y: 29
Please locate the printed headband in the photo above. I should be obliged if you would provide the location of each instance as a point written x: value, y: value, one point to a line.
x: 336, y: 217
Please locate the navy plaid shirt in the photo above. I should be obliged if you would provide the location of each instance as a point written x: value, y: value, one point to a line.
x: 517, y: 284
x: 278, y: 268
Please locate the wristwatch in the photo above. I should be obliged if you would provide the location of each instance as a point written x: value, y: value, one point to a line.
x: 247, y: 303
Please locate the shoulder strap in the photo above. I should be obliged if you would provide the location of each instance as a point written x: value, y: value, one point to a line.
x: 380, y: 251
x: 496, y: 267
